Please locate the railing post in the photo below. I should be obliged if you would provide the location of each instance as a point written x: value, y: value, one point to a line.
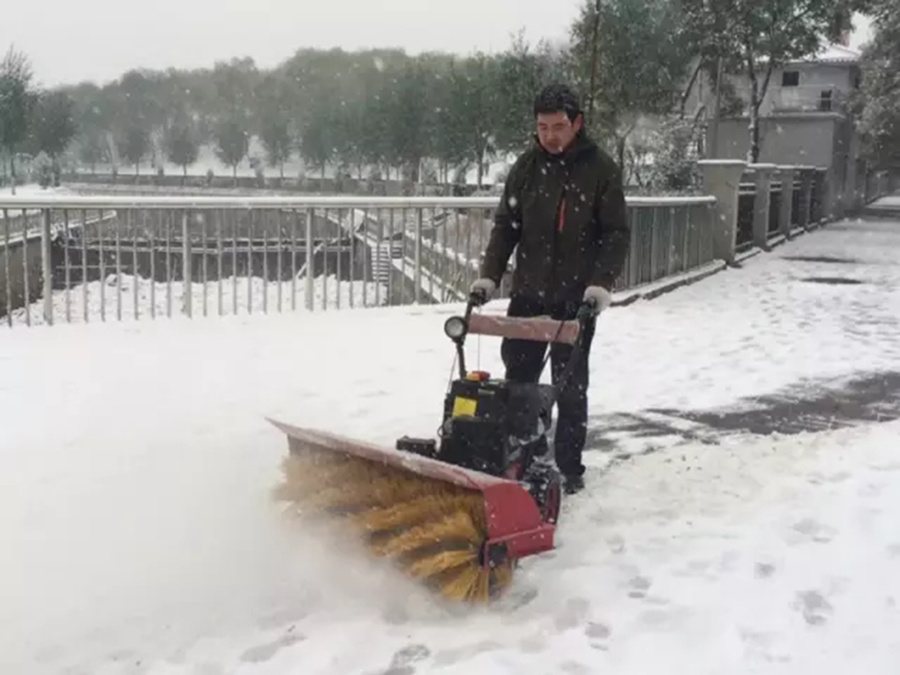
x: 761, y: 203
x: 825, y: 180
x: 721, y: 179
x: 787, y: 200
x: 308, y: 280
x: 806, y: 178
x: 187, y: 289
x: 418, y: 255
x: 47, y: 266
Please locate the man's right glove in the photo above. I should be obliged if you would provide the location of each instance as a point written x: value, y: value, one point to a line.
x: 598, y: 298
x: 482, y: 290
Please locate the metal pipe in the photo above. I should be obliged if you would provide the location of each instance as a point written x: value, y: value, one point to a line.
x: 46, y: 266
x: 286, y: 202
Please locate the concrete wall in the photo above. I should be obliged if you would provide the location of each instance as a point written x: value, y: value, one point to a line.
x: 839, y: 76
x: 822, y: 140
x: 786, y: 139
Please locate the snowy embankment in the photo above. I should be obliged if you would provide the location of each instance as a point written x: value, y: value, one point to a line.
x: 138, y: 535
x: 231, y: 296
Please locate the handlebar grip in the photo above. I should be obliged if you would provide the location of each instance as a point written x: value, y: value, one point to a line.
x: 477, y: 297
x: 588, y: 308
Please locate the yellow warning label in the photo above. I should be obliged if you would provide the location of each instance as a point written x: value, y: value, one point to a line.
x: 464, y: 406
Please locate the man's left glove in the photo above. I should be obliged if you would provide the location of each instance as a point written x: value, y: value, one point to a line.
x: 598, y: 298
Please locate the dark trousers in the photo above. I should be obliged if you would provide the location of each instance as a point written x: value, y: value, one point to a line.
x: 524, y: 361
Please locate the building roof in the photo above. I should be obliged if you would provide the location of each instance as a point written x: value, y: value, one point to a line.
x: 832, y: 53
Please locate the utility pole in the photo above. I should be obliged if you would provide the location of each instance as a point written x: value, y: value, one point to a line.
x: 590, y: 106
x: 714, y: 136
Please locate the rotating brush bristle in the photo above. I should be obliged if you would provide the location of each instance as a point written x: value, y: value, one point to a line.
x: 433, y: 531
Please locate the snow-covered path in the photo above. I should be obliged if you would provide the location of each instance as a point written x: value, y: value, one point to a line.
x: 135, y: 465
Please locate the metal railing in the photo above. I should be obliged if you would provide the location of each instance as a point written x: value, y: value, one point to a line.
x: 880, y: 183
x: 100, y: 258
x: 807, y: 204
x: 808, y: 98
x: 800, y: 99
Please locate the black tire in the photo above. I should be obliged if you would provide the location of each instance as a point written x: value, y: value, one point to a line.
x: 545, y: 486
x: 552, y: 499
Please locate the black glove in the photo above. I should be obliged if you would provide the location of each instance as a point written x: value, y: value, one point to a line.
x: 482, y: 290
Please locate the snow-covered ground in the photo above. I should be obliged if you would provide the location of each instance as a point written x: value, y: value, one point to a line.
x: 138, y: 535
x: 33, y: 190
x: 889, y: 202
x: 233, y: 296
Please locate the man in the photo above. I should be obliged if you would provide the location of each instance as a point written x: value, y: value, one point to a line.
x: 563, y: 206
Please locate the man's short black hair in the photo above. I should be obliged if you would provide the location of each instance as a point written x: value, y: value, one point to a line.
x: 557, y: 98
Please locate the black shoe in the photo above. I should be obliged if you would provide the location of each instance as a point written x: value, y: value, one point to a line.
x: 573, y: 484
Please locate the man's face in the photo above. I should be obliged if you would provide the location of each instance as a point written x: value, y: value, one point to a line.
x: 556, y: 132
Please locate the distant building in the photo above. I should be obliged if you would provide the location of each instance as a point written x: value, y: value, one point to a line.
x: 804, y: 117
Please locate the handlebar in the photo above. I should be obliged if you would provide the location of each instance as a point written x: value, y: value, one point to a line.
x: 586, y: 310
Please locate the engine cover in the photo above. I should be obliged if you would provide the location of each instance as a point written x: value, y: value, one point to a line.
x: 494, y: 426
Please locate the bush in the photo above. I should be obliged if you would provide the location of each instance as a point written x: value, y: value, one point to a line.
x: 675, y: 150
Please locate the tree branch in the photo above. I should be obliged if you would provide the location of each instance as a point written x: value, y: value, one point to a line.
x: 765, y: 86
x: 690, y: 86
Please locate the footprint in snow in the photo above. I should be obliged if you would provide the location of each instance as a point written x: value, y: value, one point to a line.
x: 814, y: 607
x: 763, y: 570
x: 574, y: 613
x: 399, y: 670
x: 533, y: 644
x: 890, y: 466
x: 638, y: 587
x: 574, y: 668
x: 403, y: 660
x: 728, y: 561
x: 760, y: 644
x: 616, y: 544
x: 264, y: 652
x: 598, y: 633
x: 518, y: 598
x: 812, y: 530
x: 449, y: 657
x: 817, y: 478
x: 871, y: 489
x: 697, y: 568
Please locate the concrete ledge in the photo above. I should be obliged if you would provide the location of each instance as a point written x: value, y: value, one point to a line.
x: 746, y: 255
x: 881, y: 212
x: 777, y: 240
x: 657, y: 288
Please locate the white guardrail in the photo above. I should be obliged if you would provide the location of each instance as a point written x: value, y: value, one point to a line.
x: 88, y: 258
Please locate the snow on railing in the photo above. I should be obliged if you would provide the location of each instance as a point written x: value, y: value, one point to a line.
x: 151, y: 256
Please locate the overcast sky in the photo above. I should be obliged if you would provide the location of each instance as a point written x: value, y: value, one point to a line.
x: 73, y: 40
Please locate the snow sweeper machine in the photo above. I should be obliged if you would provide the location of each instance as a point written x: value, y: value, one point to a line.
x: 456, y: 512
